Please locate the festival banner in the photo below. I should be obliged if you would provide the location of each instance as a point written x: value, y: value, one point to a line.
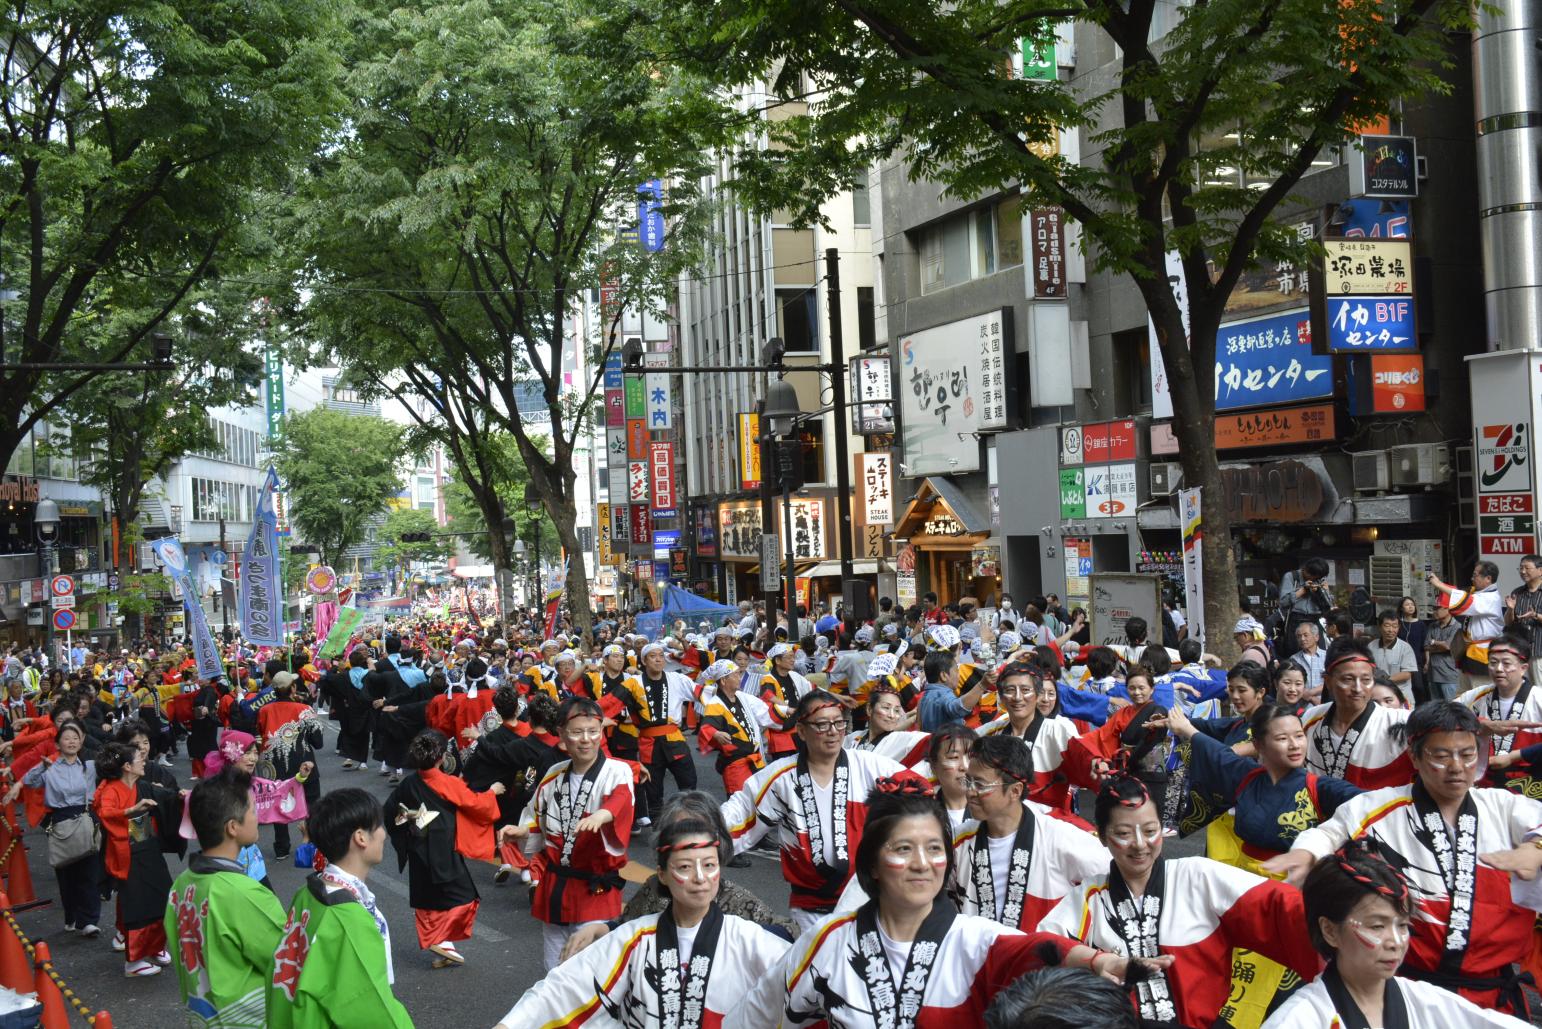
x: 278, y: 801
x: 262, y: 594
x: 168, y: 549
x: 1193, y: 560
x: 342, y: 630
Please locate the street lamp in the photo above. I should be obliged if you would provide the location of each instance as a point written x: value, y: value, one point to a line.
x: 519, y: 555
x: 782, y: 407
x: 45, y: 522
x: 533, y: 508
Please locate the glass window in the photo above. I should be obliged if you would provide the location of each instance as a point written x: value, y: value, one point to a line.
x: 867, y: 326
x: 796, y: 319
x: 861, y: 202
x: 1009, y: 232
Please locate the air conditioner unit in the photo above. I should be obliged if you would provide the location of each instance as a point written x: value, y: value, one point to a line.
x: 1166, y: 478
x: 1398, y: 569
x: 1371, y: 472
x: 1420, y: 464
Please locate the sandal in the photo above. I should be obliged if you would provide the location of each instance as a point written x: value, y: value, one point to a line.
x: 448, y: 955
x: 140, y: 969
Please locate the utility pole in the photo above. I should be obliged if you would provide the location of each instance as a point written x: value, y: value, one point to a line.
x: 767, y: 515
x: 224, y: 600
x: 838, y: 394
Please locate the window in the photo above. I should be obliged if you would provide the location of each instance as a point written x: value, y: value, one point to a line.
x: 867, y: 325
x: 861, y: 202
x: 1132, y: 378
x: 971, y: 245
x: 425, y: 491
x: 796, y: 319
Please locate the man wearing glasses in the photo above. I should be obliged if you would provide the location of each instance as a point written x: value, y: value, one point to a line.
x: 1013, y: 862
x: 817, y: 802
x: 1523, y: 610
x: 1511, y: 698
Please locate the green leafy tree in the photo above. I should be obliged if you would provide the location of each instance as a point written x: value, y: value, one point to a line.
x: 1193, y: 143
x: 403, y: 554
x: 137, y: 138
x: 339, y: 472
x: 487, y: 183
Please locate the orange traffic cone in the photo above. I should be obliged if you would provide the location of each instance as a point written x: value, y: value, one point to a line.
x: 102, y: 1020
x: 56, y: 1013
x: 18, y: 877
x: 15, y: 966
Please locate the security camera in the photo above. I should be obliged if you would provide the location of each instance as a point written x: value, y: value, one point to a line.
x: 904, y: 469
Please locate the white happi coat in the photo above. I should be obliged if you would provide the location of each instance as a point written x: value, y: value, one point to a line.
x: 1429, y: 1007
x: 614, y: 981
x: 1377, y: 758
x: 903, y: 745
x: 1062, y: 856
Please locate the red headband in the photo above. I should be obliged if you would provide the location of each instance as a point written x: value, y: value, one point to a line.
x: 697, y: 845
x: 1345, y: 659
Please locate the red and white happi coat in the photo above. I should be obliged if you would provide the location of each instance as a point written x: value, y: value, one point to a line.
x: 552, y: 815
x: 1207, y: 909
x: 906, y: 746
x: 1525, y: 706
x: 1369, y: 755
x: 1060, y: 856
x: 1429, y: 1007
x: 770, y: 800
x: 819, y: 981
x: 1499, y: 929
x: 618, y: 981
x: 1055, y: 733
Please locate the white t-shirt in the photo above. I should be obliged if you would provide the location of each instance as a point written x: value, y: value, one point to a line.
x: 1001, y: 864
x: 898, y: 953
x: 687, y: 938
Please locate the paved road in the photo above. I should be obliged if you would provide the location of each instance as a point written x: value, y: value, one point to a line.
x: 502, y: 959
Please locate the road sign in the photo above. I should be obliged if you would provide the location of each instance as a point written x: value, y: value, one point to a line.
x: 112, y: 581
x: 770, y: 561
x: 61, y: 585
x: 218, y: 557
x: 68, y: 600
x: 64, y: 619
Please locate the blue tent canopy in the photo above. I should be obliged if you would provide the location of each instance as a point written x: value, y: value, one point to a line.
x: 681, y: 603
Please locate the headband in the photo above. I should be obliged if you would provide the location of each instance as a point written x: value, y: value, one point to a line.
x: 904, y: 784
x: 1503, y: 644
x: 1345, y: 659
x: 670, y: 848
x: 1347, y: 865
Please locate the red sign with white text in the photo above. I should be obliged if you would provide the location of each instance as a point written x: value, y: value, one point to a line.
x: 1121, y: 440
x: 661, y: 470
x: 1504, y: 504
x: 637, y: 439
x: 1095, y: 444
x: 1397, y: 383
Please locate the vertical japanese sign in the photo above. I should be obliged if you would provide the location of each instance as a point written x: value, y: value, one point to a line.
x: 650, y: 215
x: 1048, y: 253
x: 875, y: 480
x: 1506, y: 392
x: 636, y: 397
x: 658, y: 406
x: 641, y: 528
x: 1039, y: 55
x: 661, y: 470
x: 637, y: 483
x: 262, y: 609
x: 168, y: 549
x: 615, y: 409
x: 636, y: 439
x: 1161, y: 394
x: 1193, y: 560
x: 602, y: 531
x: 273, y: 366
x: 615, y: 464
x: 749, y: 451
x: 620, y: 530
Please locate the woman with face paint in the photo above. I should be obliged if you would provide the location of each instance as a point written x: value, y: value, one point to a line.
x: 888, y: 729
x: 683, y: 967
x: 905, y: 959
x: 1459, y: 847
x: 1350, y: 737
x: 1360, y: 912
x: 1192, y: 910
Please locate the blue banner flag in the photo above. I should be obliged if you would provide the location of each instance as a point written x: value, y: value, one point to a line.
x: 262, y: 595
x: 168, y: 549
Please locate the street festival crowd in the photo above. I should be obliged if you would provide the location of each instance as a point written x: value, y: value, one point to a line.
x: 970, y: 816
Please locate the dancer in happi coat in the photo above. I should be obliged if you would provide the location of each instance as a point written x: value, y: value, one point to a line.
x: 1510, y: 697
x: 1458, y: 847
x: 436, y: 823
x: 1018, y: 685
x: 734, y: 723
x: 1193, y: 910
x: 1359, y: 911
x: 683, y: 968
x: 577, y: 828
x: 1351, y: 738
x: 1013, y: 862
x: 887, y: 733
x: 133, y: 855
x: 906, y: 959
x: 815, y: 803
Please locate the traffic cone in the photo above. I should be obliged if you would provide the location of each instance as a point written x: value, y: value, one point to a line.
x: 56, y: 1013
x: 15, y: 966
x: 102, y: 1020
x: 18, y: 876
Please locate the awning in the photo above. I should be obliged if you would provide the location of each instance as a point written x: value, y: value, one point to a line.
x: 474, y: 572
x: 800, y: 568
x: 861, y: 566
x: 938, y: 500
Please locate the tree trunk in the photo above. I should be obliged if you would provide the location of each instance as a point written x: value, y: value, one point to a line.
x: 565, y: 516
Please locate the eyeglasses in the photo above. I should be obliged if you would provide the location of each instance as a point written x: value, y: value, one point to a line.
x: 825, y: 728
x: 980, y: 786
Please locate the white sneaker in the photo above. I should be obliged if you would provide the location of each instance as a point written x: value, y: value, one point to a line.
x: 524, y: 875
x: 90, y: 932
x: 140, y: 969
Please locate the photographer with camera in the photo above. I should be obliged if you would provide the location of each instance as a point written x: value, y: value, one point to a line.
x: 1304, y: 597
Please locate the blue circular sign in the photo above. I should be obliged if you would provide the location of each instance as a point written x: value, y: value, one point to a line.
x: 218, y: 557
x: 64, y: 619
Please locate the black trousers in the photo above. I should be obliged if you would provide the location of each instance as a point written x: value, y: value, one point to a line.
x: 674, y: 757
x: 80, y: 891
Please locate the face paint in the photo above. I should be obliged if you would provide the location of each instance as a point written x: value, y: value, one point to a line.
x: 1373, y: 941
x: 696, y: 869
x: 1147, y: 836
x: 1461, y: 763
x: 893, y: 860
x: 938, y: 860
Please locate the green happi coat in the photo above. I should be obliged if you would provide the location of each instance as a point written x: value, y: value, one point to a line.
x: 330, y: 966
x: 222, y: 928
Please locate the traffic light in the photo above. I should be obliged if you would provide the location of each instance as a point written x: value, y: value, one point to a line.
x: 160, y: 348
x: 415, y: 537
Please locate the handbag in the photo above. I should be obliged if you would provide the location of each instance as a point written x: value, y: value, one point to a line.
x: 72, y: 839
